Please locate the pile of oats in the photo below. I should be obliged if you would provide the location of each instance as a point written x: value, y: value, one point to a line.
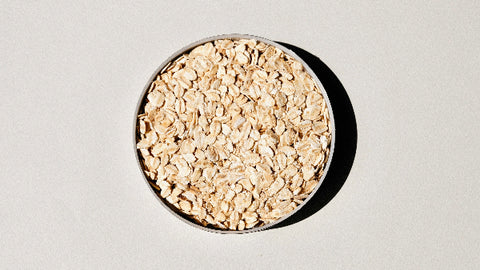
x: 235, y: 134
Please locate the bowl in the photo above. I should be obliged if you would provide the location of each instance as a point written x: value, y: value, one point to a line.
x: 142, y: 101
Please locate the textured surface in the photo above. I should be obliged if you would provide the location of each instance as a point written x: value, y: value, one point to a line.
x: 72, y: 195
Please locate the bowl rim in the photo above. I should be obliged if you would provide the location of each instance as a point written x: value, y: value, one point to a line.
x: 189, y: 47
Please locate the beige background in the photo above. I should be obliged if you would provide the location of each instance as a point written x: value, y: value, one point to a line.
x: 71, y: 196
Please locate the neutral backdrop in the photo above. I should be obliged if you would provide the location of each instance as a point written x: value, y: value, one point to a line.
x: 72, y: 197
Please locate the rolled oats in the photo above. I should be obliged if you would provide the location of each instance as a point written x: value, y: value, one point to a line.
x: 235, y: 133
